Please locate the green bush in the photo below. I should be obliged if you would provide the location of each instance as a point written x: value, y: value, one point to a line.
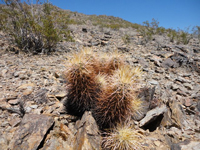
x: 172, y: 34
x: 184, y: 36
x: 160, y: 30
x: 34, y: 27
x: 148, y: 29
x: 196, y: 32
x: 126, y: 39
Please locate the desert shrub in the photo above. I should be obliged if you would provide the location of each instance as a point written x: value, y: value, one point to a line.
x: 160, y: 30
x: 196, y: 32
x: 184, y: 36
x: 172, y: 34
x: 126, y: 39
x: 148, y: 29
x: 146, y: 34
x: 33, y: 27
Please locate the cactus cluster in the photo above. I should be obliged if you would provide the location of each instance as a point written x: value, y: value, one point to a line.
x: 104, y: 84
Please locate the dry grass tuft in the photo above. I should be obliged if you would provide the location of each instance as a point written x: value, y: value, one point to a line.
x: 122, y: 138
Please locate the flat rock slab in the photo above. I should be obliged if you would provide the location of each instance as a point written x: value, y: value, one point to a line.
x: 152, y: 114
x: 31, y: 132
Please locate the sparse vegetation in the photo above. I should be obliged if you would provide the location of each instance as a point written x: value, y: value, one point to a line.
x: 184, y: 36
x: 126, y: 39
x: 172, y: 34
x: 196, y: 32
x: 33, y: 27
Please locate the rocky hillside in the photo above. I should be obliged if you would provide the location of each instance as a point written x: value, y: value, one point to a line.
x: 33, y: 89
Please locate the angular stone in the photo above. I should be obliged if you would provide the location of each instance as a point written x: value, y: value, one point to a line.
x: 152, y: 114
x: 177, y: 114
x: 153, y: 82
x: 3, y: 72
x: 61, y: 94
x: 188, y: 86
x: 26, y: 86
x: 13, y: 102
x: 31, y: 132
x: 56, y: 75
x: 191, y: 145
x: 168, y: 63
x: 87, y: 136
x: 27, y: 91
x: 188, y: 102
x: 60, y: 138
x: 175, y: 87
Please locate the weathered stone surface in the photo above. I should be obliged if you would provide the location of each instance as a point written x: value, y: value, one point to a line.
x: 60, y: 138
x: 168, y: 63
x: 178, y: 115
x: 87, y: 136
x: 152, y: 114
x: 31, y: 132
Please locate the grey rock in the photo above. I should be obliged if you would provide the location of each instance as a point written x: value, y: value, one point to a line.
x: 3, y: 72
x: 175, y: 87
x: 188, y: 86
x: 153, y: 82
x: 143, y: 63
x: 152, y: 114
x: 191, y: 145
x: 169, y: 63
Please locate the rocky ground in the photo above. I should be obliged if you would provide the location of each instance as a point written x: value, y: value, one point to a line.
x: 32, y: 91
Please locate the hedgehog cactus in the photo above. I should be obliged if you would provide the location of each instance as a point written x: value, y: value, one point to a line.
x: 111, y: 62
x: 104, y: 84
x: 81, y: 85
x: 118, y: 100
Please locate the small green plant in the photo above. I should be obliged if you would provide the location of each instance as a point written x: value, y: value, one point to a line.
x: 126, y: 39
x: 172, y: 34
x: 196, y: 32
x: 184, y: 36
x: 148, y: 29
x: 160, y: 30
